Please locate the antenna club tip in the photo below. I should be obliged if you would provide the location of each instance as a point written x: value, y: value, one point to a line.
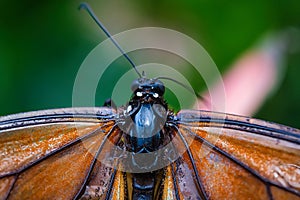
x: 83, y: 5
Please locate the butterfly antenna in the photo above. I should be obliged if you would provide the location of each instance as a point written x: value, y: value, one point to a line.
x: 92, y: 14
x: 186, y: 87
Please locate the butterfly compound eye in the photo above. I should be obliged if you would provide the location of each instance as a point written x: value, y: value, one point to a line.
x: 135, y: 85
x: 159, y: 87
x: 156, y: 86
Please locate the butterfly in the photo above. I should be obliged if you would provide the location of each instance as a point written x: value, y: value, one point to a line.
x: 144, y: 150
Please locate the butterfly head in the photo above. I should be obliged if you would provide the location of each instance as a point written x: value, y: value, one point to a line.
x: 148, y: 90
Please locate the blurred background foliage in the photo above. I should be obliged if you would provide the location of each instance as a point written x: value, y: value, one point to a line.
x: 43, y: 43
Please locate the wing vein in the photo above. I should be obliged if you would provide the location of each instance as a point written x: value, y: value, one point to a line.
x: 202, y: 190
x: 105, y: 139
x: 240, y: 163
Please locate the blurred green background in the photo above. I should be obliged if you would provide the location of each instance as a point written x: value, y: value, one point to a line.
x: 43, y: 43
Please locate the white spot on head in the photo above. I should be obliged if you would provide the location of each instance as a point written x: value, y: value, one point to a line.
x: 155, y: 95
x: 139, y: 94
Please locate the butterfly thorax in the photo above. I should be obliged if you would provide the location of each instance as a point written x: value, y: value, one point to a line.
x: 146, y: 116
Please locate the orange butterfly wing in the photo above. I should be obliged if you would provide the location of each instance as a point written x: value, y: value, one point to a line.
x: 50, y: 155
x: 236, y: 158
x: 54, y: 154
